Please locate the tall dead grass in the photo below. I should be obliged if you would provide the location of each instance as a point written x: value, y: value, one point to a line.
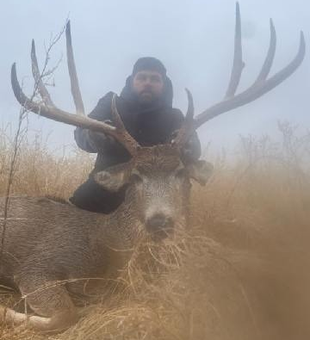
x: 240, y: 271
x: 38, y: 171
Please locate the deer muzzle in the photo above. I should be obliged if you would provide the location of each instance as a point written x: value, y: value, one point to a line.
x: 159, y: 226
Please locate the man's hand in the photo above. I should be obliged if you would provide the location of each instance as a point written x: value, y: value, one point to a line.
x: 191, y: 151
x: 98, y: 139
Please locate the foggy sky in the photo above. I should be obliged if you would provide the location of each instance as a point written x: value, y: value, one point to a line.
x: 193, y: 38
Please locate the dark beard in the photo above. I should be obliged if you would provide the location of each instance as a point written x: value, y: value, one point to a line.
x: 149, y: 104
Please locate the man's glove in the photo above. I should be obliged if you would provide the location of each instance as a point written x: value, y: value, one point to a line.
x: 98, y: 139
x: 191, y: 151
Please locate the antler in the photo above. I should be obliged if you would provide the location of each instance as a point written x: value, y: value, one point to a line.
x: 261, y: 86
x: 48, y: 109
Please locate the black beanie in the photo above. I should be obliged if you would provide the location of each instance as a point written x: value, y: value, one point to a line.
x: 149, y: 63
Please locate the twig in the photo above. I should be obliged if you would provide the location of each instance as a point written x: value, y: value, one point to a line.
x: 19, y: 136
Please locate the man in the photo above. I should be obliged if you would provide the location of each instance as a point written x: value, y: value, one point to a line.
x: 145, y: 106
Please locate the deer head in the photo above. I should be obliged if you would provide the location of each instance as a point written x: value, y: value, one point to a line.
x: 157, y: 185
x: 155, y: 177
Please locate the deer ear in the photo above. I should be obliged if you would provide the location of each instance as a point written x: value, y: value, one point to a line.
x: 113, y: 178
x: 200, y: 171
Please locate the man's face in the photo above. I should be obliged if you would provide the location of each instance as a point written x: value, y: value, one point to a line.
x: 148, y: 86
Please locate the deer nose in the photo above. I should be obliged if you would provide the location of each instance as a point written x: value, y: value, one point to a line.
x: 160, y: 225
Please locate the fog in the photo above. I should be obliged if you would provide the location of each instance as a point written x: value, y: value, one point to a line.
x: 194, y: 40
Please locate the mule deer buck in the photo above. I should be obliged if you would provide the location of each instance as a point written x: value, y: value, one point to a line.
x: 48, y: 242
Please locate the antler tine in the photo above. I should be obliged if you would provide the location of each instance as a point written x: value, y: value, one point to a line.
x: 270, y: 55
x: 122, y: 134
x: 187, y: 127
x: 238, y: 64
x: 38, y: 77
x: 190, y: 109
x: 75, y: 88
x: 115, y: 114
x: 261, y: 86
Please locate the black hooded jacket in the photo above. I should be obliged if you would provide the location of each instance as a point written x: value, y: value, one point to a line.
x: 150, y: 126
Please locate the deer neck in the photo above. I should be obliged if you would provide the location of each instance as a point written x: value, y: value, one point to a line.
x: 121, y: 229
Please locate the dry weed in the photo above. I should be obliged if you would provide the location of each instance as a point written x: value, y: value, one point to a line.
x: 240, y: 271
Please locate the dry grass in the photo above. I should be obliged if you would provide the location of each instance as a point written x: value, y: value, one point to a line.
x: 39, y: 171
x: 241, y: 270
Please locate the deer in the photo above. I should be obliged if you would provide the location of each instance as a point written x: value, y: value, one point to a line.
x: 48, y: 242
